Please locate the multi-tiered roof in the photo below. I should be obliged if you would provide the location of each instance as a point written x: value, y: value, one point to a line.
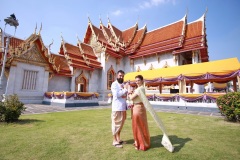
x: 178, y: 37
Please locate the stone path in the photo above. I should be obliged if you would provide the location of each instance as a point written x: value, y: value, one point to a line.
x: 40, y: 108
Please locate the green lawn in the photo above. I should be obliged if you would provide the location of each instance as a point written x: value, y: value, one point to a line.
x: 86, y: 134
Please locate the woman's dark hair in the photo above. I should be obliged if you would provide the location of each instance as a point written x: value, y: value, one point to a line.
x: 140, y: 77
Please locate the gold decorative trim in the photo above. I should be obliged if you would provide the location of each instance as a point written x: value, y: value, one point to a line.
x: 165, y: 65
x: 151, y: 67
x: 138, y: 69
x: 106, y: 56
x: 51, y: 75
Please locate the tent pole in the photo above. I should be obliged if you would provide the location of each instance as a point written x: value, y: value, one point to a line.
x: 160, y: 88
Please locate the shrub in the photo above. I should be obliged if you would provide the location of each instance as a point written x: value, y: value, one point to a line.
x: 11, y: 109
x: 229, y: 106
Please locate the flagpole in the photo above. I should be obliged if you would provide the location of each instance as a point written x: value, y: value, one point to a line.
x: 12, y: 21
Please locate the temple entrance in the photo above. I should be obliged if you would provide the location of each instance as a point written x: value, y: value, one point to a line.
x: 81, y: 83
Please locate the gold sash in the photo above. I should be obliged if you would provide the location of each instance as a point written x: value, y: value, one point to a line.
x: 165, y: 140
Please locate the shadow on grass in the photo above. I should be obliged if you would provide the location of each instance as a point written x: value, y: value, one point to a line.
x: 27, y: 121
x: 177, y: 142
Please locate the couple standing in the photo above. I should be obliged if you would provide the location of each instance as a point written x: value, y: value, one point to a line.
x: 139, y: 115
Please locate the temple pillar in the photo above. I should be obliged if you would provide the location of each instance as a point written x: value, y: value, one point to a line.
x: 103, y: 89
x: 195, y: 57
x: 45, y: 81
x: 72, y: 86
x: 235, y: 85
x: 184, y: 86
x: 238, y: 79
x: 180, y: 86
x: 11, y: 81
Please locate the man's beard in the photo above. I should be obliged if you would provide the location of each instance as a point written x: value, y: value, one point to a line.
x: 120, y: 80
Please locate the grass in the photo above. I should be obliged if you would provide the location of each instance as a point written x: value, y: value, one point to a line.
x: 87, y: 135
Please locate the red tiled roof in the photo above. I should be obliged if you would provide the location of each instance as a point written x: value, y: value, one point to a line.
x: 160, y: 40
x: 163, y: 34
x: 136, y: 41
x: 14, y: 42
x: 76, y: 57
x: 113, y: 53
x: 99, y: 34
x: 117, y: 32
x: 129, y: 34
x: 195, y: 39
x: 89, y: 53
x: 62, y: 62
x: 87, y: 50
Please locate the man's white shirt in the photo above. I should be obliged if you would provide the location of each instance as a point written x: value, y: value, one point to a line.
x: 118, y: 103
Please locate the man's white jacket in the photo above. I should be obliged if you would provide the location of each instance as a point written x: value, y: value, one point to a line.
x: 118, y: 93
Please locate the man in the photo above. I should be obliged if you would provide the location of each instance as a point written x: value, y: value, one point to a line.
x: 119, y: 107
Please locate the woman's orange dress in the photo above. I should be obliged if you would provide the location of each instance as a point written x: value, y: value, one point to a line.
x: 139, y: 124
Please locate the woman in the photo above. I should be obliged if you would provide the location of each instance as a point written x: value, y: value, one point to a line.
x: 139, y: 118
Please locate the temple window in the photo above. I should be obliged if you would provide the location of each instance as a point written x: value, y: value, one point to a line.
x: 110, y: 78
x: 29, y: 80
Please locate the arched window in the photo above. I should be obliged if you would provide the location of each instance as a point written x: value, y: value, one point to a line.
x: 81, y: 83
x: 110, y: 77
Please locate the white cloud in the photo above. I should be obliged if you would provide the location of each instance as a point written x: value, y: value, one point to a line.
x: 151, y: 3
x: 117, y: 12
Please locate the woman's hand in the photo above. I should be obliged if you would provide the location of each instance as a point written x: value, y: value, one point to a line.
x: 126, y: 86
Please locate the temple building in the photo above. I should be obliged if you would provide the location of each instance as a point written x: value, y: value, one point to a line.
x: 90, y: 65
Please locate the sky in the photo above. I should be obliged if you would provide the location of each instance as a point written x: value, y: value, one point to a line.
x: 69, y: 18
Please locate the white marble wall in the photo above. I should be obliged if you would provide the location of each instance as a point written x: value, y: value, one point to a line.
x: 59, y: 83
x: 94, y: 81
x: 164, y: 59
x: 15, y: 81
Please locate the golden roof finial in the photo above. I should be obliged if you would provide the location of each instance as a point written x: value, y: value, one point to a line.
x: 108, y: 19
x: 206, y: 10
x: 100, y: 19
x: 35, y: 29
x: 89, y: 21
x: 79, y: 41
x: 39, y: 32
x: 62, y: 38
x: 49, y: 47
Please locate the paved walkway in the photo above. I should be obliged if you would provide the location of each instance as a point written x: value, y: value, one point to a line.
x: 40, y: 108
